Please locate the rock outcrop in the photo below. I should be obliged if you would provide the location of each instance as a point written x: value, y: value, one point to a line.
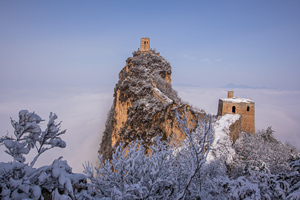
x: 144, y: 104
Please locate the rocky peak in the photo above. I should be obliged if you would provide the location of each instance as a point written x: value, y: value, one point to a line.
x: 144, y: 103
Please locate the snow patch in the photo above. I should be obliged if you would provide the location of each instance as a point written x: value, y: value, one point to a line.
x: 163, y: 96
x: 223, y: 124
x: 222, y: 144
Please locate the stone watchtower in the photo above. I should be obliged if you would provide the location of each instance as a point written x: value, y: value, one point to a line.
x: 241, y: 106
x: 145, y: 44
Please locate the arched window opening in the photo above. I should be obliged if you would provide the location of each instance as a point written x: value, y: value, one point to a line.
x: 248, y: 108
x: 233, y: 109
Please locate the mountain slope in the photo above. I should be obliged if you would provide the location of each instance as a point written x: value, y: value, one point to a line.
x: 144, y: 104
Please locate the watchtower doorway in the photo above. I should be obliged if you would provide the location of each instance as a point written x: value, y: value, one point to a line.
x: 233, y: 109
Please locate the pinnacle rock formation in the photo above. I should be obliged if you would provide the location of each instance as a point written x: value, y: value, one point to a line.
x: 144, y: 104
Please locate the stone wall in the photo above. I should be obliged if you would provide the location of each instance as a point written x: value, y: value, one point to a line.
x: 235, y: 129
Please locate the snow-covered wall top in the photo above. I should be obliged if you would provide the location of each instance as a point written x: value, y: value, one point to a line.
x: 238, y: 100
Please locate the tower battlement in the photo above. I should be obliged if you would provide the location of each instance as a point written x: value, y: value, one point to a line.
x: 145, y: 47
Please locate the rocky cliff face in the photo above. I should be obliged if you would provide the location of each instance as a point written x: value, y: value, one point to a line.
x: 144, y: 104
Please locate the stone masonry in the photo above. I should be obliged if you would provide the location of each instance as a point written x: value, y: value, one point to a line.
x: 241, y: 106
x: 145, y: 44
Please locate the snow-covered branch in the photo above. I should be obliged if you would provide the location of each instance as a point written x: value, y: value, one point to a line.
x: 195, y: 147
x: 19, y: 180
x: 28, y: 135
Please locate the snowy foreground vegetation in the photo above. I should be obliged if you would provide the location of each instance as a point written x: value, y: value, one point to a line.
x: 205, y: 166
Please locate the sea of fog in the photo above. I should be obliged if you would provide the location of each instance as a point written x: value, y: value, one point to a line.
x: 83, y: 113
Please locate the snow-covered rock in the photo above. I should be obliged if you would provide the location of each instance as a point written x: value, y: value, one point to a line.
x: 222, y: 144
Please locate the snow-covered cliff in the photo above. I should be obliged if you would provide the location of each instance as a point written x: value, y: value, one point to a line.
x: 144, y: 104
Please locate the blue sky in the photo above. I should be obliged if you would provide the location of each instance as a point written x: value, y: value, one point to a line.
x: 208, y: 43
x: 64, y: 56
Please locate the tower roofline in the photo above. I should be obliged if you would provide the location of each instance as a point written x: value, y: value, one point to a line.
x: 238, y: 100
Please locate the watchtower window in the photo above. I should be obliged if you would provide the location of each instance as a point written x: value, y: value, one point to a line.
x: 248, y: 108
x: 233, y: 109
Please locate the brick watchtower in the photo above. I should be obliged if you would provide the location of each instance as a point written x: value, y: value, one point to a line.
x: 241, y: 106
x: 145, y: 44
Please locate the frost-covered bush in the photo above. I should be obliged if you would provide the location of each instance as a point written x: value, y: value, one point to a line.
x: 253, y: 183
x: 165, y: 172
x: 162, y: 171
x: 20, y: 180
x: 132, y: 175
x: 182, y: 171
x: 260, y: 169
x: 263, y: 148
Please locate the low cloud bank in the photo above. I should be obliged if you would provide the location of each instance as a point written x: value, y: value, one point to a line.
x: 83, y: 113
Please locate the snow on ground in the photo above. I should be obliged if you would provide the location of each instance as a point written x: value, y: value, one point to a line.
x: 222, y: 144
x: 223, y: 124
x: 163, y: 96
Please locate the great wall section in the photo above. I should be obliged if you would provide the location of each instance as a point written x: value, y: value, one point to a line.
x: 145, y: 103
